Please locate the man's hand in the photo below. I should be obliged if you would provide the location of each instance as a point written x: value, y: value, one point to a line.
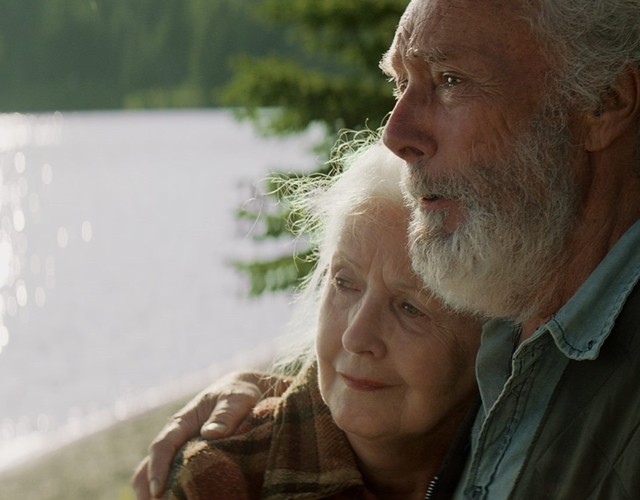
x: 214, y: 413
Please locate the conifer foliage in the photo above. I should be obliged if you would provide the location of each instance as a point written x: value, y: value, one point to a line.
x: 334, y: 81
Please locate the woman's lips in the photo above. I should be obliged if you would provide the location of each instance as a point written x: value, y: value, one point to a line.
x: 363, y: 384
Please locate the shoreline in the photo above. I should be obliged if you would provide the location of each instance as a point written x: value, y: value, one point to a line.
x: 97, y: 466
x: 24, y: 451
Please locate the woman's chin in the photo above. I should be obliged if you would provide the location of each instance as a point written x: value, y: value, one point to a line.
x: 361, y: 426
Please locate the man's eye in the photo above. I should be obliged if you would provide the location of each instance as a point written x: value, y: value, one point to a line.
x: 400, y: 87
x: 451, y: 80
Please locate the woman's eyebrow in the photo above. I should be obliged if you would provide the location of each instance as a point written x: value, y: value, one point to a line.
x: 342, y: 258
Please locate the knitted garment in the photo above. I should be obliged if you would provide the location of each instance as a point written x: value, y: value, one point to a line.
x: 288, y: 448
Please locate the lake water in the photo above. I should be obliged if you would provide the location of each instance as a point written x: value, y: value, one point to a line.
x: 116, y: 235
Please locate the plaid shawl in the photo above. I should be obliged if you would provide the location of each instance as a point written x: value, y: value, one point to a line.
x: 289, y: 447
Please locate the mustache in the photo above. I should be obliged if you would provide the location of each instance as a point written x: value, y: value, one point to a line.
x: 420, y: 183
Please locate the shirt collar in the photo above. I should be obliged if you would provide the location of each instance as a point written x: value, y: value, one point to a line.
x: 581, y: 326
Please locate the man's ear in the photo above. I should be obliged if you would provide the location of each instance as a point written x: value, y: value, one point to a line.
x: 618, y: 112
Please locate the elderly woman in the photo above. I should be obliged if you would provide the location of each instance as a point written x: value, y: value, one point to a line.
x: 387, y: 388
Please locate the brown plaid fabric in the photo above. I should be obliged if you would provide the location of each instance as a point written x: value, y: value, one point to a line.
x: 288, y: 448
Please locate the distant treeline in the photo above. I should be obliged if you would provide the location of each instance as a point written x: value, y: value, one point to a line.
x: 284, y: 64
x: 100, y: 54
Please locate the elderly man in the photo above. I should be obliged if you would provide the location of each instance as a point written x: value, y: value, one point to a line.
x: 519, y: 121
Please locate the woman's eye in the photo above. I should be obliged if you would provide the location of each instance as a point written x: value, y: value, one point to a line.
x: 411, y: 310
x: 342, y: 283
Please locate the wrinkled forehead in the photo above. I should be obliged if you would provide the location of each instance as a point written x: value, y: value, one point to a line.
x: 377, y: 224
x: 461, y: 10
x: 380, y: 229
x: 377, y: 216
x: 491, y: 28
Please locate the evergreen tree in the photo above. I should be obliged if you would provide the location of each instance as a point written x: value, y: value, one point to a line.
x: 336, y: 83
x: 312, y: 61
x: 104, y: 54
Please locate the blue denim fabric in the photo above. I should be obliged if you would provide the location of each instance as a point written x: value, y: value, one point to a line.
x: 516, y: 387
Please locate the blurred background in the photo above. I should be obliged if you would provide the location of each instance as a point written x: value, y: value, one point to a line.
x: 141, y: 252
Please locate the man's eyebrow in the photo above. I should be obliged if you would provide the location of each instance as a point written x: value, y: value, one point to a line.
x: 386, y: 63
x: 434, y: 55
x: 393, y: 57
x: 430, y: 56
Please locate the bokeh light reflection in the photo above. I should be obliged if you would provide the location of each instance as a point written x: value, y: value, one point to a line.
x: 19, y: 208
x: 4, y: 337
x: 47, y: 174
x: 21, y: 293
x: 63, y: 237
x: 40, y: 297
x: 87, y: 231
x: 6, y: 257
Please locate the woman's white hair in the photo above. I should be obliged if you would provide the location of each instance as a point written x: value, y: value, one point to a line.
x: 363, y: 169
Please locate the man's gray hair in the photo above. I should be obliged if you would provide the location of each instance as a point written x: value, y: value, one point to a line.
x: 593, y: 41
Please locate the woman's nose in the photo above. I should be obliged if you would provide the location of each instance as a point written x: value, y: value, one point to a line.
x: 364, y: 333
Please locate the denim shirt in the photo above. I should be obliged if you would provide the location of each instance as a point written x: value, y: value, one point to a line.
x: 516, y: 387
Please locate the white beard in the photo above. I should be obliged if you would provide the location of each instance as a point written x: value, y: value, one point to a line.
x: 501, y: 259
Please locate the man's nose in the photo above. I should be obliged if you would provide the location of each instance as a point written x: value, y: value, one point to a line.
x: 410, y: 131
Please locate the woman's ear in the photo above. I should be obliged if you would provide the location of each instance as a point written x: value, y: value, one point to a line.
x: 617, y: 114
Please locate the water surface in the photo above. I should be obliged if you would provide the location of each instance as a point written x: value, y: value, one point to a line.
x: 116, y: 236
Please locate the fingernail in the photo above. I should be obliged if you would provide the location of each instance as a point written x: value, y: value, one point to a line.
x: 154, y: 488
x: 216, y: 427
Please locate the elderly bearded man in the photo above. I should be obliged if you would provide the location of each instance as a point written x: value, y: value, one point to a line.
x: 519, y: 124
